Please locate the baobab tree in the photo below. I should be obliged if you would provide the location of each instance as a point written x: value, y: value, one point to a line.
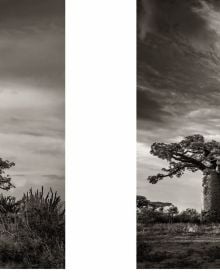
x: 193, y: 154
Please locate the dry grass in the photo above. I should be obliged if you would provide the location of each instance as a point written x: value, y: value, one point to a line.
x: 178, y: 246
x: 32, y: 232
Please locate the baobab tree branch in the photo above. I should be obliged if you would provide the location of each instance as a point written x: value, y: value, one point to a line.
x: 192, y: 154
x: 184, y: 158
x: 175, y: 169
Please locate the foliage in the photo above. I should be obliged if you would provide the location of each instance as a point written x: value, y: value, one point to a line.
x: 150, y: 216
x: 169, y: 214
x: 142, y: 201
x: 8, y: 204
x: 173, y: 210
x: 5, y: 180
x: 190, y: 154
x: 43, y: 214
x: 189, y: 216
x: 150, y: 212
x: 32, y: 231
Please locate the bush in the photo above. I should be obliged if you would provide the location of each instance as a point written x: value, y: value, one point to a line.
x: 147, y: 216
x: 188, y: 216
x: 43, y: 215
x: 33, y: 231
x: 146, y: 213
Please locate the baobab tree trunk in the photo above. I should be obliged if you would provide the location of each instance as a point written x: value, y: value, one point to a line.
x: 211, y: 192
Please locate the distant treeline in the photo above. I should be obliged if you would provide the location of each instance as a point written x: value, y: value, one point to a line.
x: 166, y: 212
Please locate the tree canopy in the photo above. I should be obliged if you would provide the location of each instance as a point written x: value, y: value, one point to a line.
x: 5, y: 180
x: 193, y: 153
x: 142, y: 202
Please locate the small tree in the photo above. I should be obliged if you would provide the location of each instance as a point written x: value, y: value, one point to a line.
x: 141, y: 201
x: 5, y: 180
x: 172, y: 211
x: 189, y: 215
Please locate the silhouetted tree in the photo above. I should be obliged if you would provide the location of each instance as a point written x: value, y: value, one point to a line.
x: 141, y: 201
x: 173, y: 210
x: 189, y: 215
x: 5, y: 180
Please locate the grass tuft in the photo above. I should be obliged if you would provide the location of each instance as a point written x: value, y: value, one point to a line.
x: 32, y: 231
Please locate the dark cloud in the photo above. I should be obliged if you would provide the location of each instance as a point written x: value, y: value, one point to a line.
x: 178, y: 73
x: 32, y: 36
x: 150, y: 109
x: 172, y: 18
x: 31, y: 11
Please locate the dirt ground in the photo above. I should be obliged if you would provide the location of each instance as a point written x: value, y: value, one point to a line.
x: 178, y: 246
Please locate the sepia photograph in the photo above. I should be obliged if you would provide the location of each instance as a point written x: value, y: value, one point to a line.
x: 178, y: 134
x: 32, y: 134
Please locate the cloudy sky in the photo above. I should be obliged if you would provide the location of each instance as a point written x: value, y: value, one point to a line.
x: 178, y: 88
x: 32, y: 92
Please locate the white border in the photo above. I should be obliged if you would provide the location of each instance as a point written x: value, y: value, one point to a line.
x: 100, y: 146
x: 103, y: 146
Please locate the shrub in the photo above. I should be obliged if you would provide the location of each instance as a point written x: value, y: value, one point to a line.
x: 8, y: 204
x: 43, y: 214
x: 33, y: 231
x: 188, y: 216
